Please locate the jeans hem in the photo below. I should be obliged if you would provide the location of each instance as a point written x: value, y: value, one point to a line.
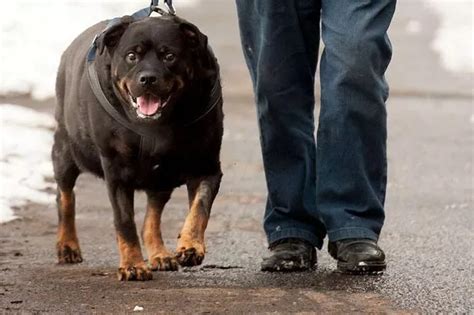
x: 352, y: 232
x: 295, y: 233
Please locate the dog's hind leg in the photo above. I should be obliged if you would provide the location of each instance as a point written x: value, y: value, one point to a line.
x: 202, y: 192
x: 159, y: 257
x: 65, y: 173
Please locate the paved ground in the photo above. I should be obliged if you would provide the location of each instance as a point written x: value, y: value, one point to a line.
x: 428, y: 232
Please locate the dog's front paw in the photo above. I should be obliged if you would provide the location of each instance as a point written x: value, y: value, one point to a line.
x: 138, y: 272
x: 190, y: 253
x: 163, y: 262
x: 68, y: 253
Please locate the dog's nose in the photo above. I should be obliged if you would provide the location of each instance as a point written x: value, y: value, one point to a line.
x: 147, y: 78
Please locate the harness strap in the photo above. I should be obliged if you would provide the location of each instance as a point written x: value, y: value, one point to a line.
x: 216, y: 99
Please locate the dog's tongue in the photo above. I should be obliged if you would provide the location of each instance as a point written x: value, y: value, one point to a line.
x: 148, y: 104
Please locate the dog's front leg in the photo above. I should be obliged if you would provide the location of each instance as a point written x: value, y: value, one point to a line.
x: 132, y: 266
x: 159, y: 258
x: 202, y: 192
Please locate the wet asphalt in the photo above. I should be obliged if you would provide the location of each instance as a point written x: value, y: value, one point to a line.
x: 427, y: 235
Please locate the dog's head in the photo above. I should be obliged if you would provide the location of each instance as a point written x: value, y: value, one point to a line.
x: 154, y: 61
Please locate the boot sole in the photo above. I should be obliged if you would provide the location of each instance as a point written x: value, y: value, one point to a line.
x: 362, y: 268
x: 288, y: 267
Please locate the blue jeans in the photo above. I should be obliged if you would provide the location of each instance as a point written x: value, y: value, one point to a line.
x: 336, y: 184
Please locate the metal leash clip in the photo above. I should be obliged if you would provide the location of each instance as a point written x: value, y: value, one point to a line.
x: 154, y: 7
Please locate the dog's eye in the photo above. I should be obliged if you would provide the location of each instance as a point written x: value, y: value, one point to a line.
x: 131, y: 58
x: 170, y: 57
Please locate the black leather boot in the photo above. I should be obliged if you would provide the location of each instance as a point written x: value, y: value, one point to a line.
x: 290, y: 254
x: 358, y: 256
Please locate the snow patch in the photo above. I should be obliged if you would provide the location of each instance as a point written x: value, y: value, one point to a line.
x: 26, y: 137
x: 34, y: 33
x: 454, y: 38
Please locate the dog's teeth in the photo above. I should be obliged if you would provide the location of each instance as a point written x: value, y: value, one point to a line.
x: 140, y: 115
x: 133, y: 101
x: 143, y: 116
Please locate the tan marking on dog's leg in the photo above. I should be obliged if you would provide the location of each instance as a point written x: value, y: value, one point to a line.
x: 67, y: 245
x: 132, y: 265
x: 191, y: 246
x: 158, y: 256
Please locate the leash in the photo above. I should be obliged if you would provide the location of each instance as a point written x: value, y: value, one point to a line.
x: 169, y: 4
x: 147, y: 140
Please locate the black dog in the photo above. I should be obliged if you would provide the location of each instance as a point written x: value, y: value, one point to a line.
x: 160, y: 77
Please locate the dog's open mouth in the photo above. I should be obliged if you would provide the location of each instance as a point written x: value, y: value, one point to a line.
x: 149, y: 105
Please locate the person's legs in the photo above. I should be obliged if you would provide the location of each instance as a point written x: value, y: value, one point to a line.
x: 280, y: 40
x: 351, y: 141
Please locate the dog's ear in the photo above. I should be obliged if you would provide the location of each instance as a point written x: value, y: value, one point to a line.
x: 197, y: 41
x: 194, y: 37
x: 110, y: 37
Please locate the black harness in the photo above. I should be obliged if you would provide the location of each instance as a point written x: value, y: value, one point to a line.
x: 147, y: 135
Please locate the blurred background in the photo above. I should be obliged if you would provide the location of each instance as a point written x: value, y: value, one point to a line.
x: 428, y: 232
